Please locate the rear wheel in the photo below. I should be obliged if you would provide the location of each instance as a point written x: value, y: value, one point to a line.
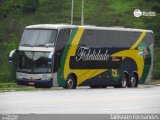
x: 122, y: 83
x: 70, y: 83
x: 133, y: 81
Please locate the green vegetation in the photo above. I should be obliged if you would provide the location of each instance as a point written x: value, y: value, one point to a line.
x: 16, y: 14
x: 7, y: 85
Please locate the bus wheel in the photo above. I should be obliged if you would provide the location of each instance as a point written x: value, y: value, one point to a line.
x: 123, y: 82
x: 70, y: 83
x: 133, y: 81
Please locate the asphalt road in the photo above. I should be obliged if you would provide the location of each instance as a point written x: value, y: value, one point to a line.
x: 82, y: 100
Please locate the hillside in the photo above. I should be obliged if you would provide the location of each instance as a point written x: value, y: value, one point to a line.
x: 16, y: 14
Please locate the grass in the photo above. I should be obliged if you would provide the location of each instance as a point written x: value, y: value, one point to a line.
x: 153, y: 82
x: 15, y: 87
x: 7, y: 85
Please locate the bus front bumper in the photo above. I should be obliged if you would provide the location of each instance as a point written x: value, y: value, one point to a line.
x: 36, y: 83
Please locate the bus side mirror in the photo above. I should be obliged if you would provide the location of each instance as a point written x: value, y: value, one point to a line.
x: 50, y: 58
x: 12, y: 55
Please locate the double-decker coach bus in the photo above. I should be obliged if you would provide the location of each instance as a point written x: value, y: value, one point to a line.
x: 69, y: 56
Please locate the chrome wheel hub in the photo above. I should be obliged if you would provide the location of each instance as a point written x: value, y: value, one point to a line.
x: 133, y: 81
x: 124, y: 82
x: 70, y: 83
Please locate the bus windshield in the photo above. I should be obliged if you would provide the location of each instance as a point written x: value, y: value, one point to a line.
x: 33, y: 62
x: 38, y: 37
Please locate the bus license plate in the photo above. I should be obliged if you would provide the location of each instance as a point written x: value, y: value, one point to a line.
x: 31, y: 83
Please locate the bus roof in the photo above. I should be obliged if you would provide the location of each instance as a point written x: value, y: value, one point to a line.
x: 50, y: 26
x: 118, y: 28
x: 61, y: 26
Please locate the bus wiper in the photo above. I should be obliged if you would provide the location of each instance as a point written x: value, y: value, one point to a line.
x: 49, y: 45
x: 46, y: 45
x: 28, y: 45
x: 41, y: 45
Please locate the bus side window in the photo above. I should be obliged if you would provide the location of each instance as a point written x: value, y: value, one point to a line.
x: 148, y: 39
x: 114, y: 38
x: 95, y: 38
x: 136, y: 36
x: 102, y: 38
x: 62, y: 39
x: 126, y: 39
x: 88, y: 38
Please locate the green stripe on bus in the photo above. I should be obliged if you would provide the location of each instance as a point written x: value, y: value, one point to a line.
x: 61, y: 81
x: 146, y: 69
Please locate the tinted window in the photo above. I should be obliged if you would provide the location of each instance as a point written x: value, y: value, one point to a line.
x: 95, y: 38
x: 107, y: 38
x: 102, y: 38
x: 38, y: 37
x: 126, y: 39
x: 136, y: 36
x: 62, y: 38
x: 149, y: 38
x: 90, y: 38
x: 114, y: 38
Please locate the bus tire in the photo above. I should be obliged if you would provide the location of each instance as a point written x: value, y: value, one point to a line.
x: 122, y: 83
x: 133, y: 81
x: 71, y: 83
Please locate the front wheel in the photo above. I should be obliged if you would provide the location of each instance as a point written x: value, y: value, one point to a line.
x: 124, y: 81
x: 70, y: 83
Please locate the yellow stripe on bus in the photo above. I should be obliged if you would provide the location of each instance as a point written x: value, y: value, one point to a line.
x: 139, y: 40
x: 72, y: 52
x: 134, y: 54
